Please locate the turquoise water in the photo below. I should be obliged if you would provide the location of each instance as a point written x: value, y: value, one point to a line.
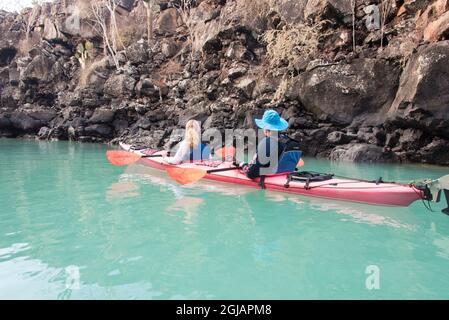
x: 74, y: 227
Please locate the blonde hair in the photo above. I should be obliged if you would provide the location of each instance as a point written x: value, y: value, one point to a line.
x: 193, y: 133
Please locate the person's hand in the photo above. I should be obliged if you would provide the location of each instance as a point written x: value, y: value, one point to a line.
x: 242, y: 164
x: 165, y: 159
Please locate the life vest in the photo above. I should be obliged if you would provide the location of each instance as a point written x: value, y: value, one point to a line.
x: 290, y: 156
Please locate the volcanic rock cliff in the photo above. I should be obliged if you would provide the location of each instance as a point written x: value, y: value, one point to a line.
x: 364, y: 80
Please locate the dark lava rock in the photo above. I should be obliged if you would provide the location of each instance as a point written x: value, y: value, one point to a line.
x: 99, y: 130
x: 343, y: 92
x: 102, y: 116
x: 339, y: 137
x: 425, y: 83
x: 119, y: 86
x: 360, y: 152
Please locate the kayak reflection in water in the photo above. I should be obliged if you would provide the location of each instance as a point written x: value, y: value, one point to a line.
x: 276, y: 153
x: 191, y: 148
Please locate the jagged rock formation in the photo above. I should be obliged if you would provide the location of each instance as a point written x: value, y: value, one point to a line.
x: 384, y: 97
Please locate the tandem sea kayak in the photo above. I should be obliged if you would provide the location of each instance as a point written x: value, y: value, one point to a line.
x: 328, y: 187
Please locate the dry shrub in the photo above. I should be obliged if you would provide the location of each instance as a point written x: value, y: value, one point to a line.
x: 286, y: 46
x: 186, y: 12
x: 385, y: 8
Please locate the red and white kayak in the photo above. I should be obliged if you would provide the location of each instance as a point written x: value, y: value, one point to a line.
x: 384, y: 194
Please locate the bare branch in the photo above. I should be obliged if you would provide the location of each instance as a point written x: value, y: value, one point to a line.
x: 101, y: 20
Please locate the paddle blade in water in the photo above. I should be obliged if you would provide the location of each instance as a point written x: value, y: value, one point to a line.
x: 300, y: 163
x: 226, y: 153
x: 186, y: 175
x: 121, y: 158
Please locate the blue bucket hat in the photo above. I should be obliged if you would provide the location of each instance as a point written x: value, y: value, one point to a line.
x: 271, y: 120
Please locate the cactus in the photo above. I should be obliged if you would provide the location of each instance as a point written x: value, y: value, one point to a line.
x: 83, y: 52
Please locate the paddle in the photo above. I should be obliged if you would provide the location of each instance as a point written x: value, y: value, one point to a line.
x: 229, y: 153
x: 191, y: 175
x: 123, y: 158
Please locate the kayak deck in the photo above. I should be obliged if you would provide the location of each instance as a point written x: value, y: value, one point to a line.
x: 386, y: 194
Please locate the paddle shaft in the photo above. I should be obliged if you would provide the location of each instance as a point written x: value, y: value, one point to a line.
x: 223, y: 169
x: 154, y: 155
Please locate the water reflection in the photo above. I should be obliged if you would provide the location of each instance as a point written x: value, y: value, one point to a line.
x: 358, y: 213
x: 184, y: 196
x: 187, y: 205
x: 440, y: 241
x: 143, y: 174
x: 121, y: 190
x: 186, y: 201
x: 136, y: 234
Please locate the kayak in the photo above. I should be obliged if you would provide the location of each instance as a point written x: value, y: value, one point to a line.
x: 353, y: 190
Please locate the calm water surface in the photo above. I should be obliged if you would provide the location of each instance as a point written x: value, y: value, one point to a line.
x: 74, y: 227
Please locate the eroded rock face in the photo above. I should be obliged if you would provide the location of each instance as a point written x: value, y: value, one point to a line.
x: 368, y: 103
x: 119, y: 85
x: 343, y: 92
x: 338, y: 137
x: 293, y: 10
x: 424, y: 85
x: 102, y: 116
x: 437, y: 29
x: 137, y: 53
x: 39, y: 69
x: 168, y: 21
x: 327, y: 9
x: 435, y: 152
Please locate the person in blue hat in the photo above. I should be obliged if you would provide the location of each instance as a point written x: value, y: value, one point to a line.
x: 270, y: 149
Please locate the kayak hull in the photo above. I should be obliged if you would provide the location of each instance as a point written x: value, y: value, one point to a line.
x: 383, y: 194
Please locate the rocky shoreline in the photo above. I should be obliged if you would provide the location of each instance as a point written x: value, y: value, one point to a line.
x: 382, y: 98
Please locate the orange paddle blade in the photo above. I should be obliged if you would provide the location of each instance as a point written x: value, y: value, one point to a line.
x: 226, y: 152
x: 186, y: 175
x: 300, y: 163
x: 121, y: 158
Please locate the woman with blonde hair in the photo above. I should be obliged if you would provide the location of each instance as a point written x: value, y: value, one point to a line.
x: 191, y: 148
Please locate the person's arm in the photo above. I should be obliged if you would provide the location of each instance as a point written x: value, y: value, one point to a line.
x: 180, y: 155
